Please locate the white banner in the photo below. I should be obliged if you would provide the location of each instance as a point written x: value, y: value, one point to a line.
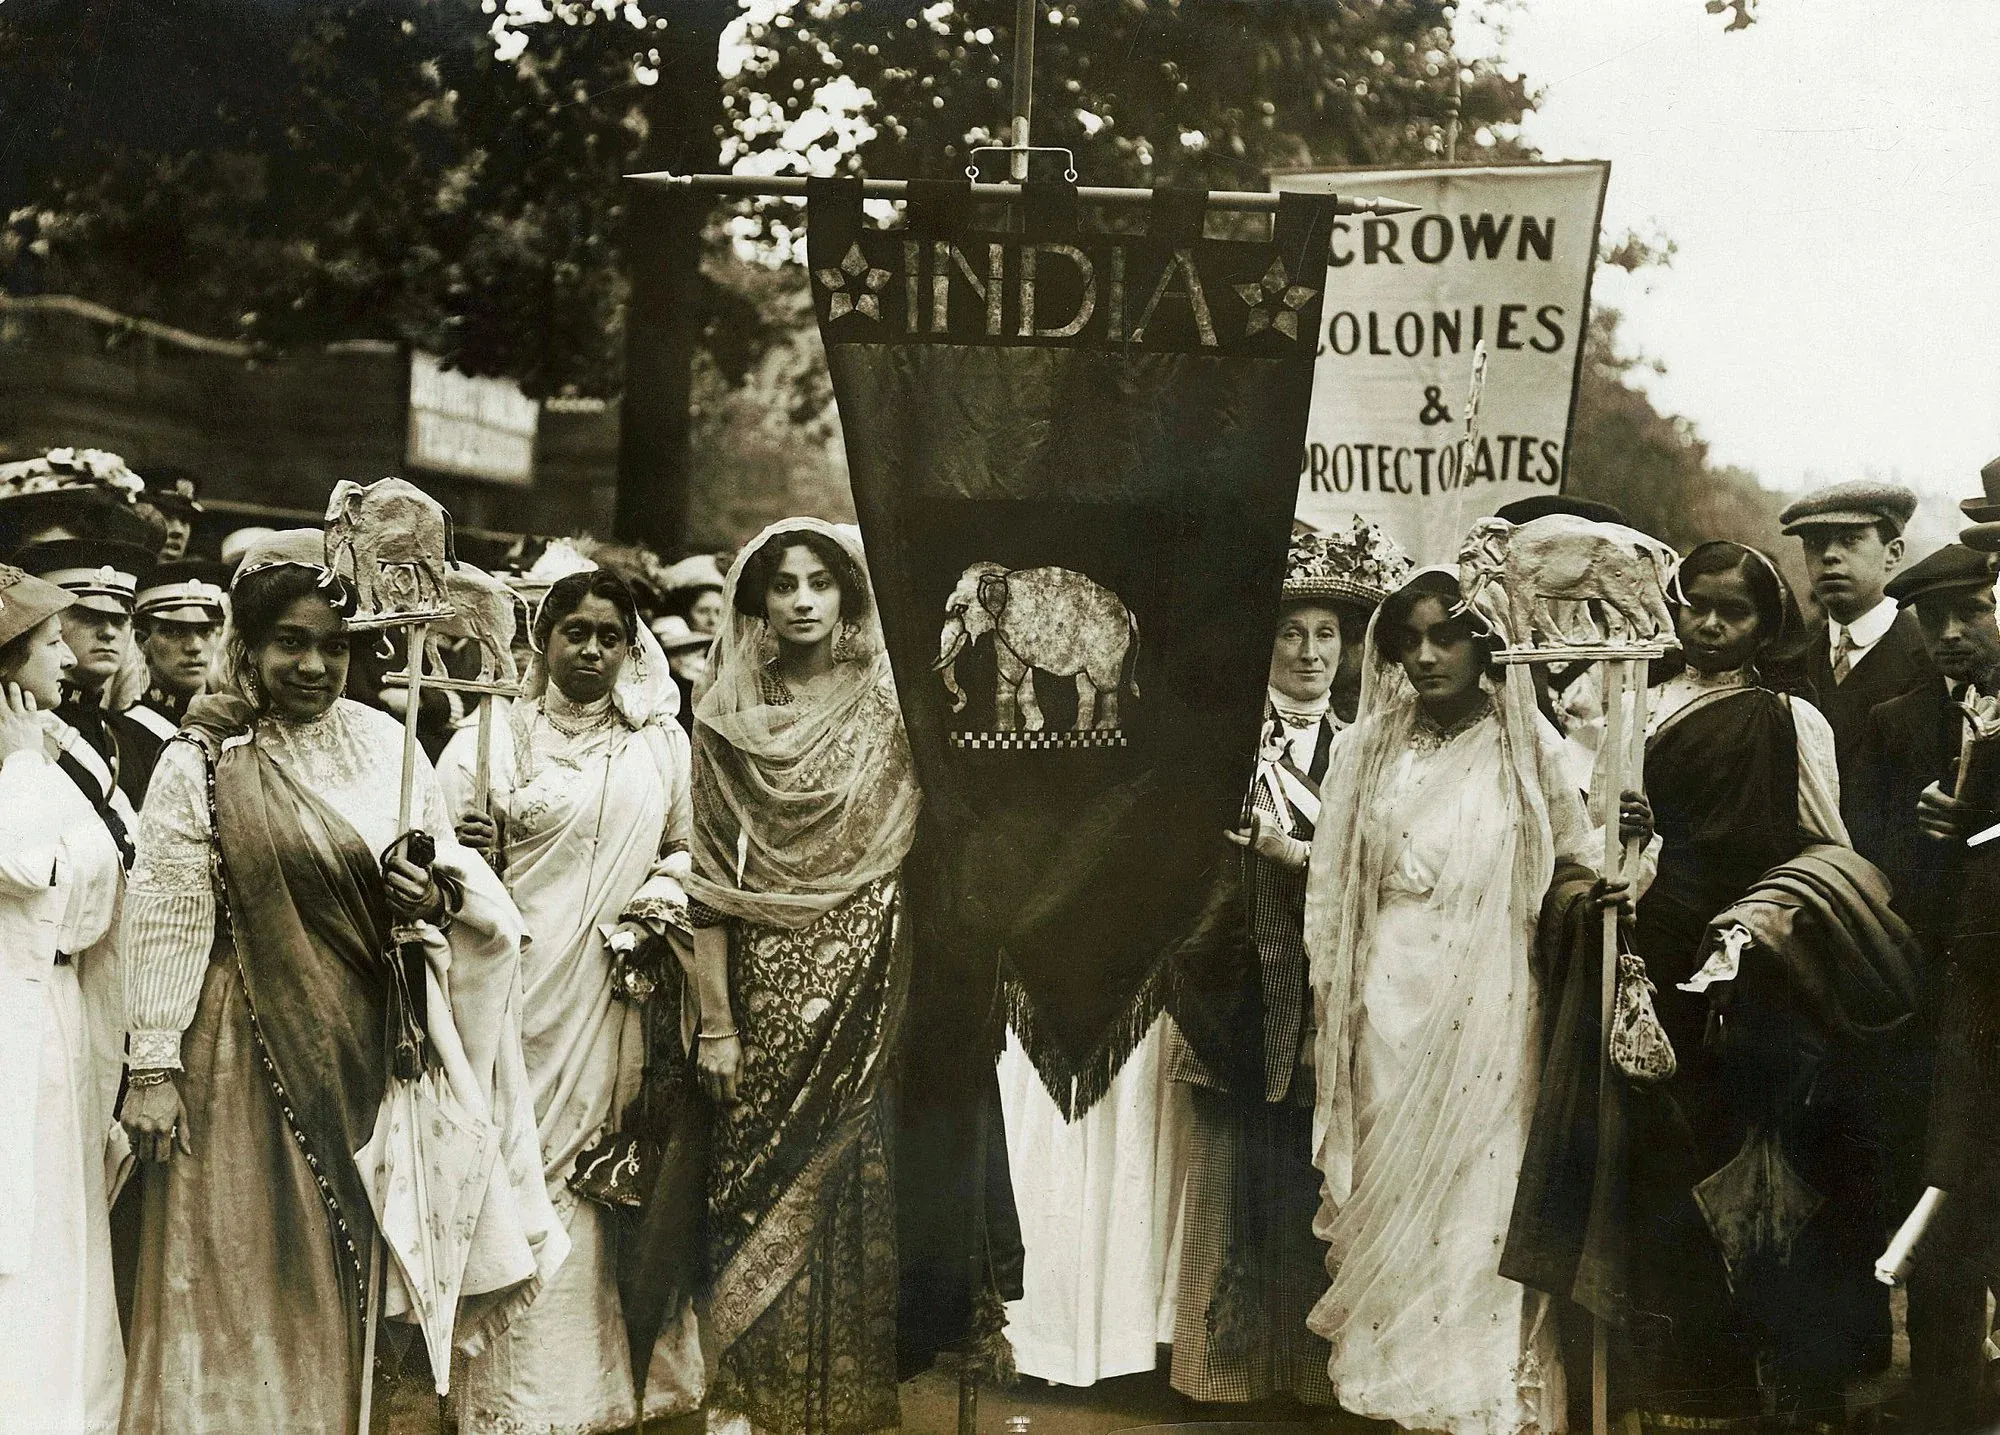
x: 477, y: 427
x: 1502, y: 254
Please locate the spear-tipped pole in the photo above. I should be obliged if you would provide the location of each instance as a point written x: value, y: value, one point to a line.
x: 789, y: 186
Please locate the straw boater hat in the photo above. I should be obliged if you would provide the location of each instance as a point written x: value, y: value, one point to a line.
x: 675, y: 636
x: 25, y: 601
x: 693, y: 573
x: 1361, y: 565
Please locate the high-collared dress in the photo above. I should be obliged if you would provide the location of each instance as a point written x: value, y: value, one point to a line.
x: 594, y: 811
x: 62, y: 1362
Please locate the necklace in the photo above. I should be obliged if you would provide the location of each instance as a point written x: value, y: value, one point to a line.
x: 573, y: 719
x: 1427, y: 736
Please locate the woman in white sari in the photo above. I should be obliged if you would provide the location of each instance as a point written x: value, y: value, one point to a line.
x: 589, y: 826
x: 1446, y: 807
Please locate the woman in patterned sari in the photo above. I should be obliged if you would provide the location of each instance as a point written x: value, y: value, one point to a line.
x: 804, y: 805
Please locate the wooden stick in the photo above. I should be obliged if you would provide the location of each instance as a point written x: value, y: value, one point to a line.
x: 482, y: 767
x: 373, y: 1317
x: 1618, y: 745
x: 406, y: 801
x: 414, y: 666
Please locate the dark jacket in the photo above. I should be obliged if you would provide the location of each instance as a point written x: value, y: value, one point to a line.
x: 1898, y: 664
x: 1964, y: 1147
x: 1906, y: 744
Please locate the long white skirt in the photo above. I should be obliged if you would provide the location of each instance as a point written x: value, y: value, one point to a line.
x: 562, y: 1365
x: 1099, y: 1200
x: 1425, y: 1330
x: 62, y: 1361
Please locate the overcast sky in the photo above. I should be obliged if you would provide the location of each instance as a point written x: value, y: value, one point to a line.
x: 1832, y: 178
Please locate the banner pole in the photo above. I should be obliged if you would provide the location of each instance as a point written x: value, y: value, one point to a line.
x: 783, y: 186
x: 1616, y: 740
x: 1024, y: 85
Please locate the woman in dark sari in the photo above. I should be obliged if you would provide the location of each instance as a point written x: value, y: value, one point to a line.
x: 804, y: 806
x: 269, y: 1013
x: 1741, y: 778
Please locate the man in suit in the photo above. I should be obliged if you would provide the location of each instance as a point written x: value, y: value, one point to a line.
x: 1906, y: 822
x: 1867, y: 651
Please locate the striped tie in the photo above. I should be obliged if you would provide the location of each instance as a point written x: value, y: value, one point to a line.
x: 1843, y: 654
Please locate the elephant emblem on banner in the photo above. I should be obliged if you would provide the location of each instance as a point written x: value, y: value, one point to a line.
x: 1048, y: 619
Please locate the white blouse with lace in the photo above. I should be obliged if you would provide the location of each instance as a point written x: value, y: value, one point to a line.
x: 350, y: 758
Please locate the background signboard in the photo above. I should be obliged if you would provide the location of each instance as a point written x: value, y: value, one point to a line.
x: 478, y: 428
x: 1499, y: 253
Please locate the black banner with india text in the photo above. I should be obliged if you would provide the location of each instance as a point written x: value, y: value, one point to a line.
x: 1074, y: 457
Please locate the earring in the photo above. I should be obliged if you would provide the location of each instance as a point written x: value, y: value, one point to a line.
x: 767, y: 642
x: 843, y: 642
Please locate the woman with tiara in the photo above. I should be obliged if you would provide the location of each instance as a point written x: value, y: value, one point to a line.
x: 1445, y: 810
x: 804, y: 807
x: 269, y: 1012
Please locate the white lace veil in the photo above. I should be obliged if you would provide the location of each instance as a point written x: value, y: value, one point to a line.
x: 645, y: 691
x: 798, y: 803
x: 1491, y: 886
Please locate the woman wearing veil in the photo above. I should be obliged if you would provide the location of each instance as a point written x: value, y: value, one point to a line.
x: 588, y: 824
x: 269, y: 1011
x: 804, y: 806
x: 1445, y: 810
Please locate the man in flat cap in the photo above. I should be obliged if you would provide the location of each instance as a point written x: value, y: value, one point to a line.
x: 104, y: 576
x: 1906, y: 823
x: 178, y: 618
x: 1867, y: 651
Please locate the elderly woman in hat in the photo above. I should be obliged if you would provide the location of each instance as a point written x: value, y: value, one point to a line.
x: 63, y: 850
x: 1251, y: 1268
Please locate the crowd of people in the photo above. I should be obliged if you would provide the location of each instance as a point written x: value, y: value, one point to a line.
x: 651, y: 915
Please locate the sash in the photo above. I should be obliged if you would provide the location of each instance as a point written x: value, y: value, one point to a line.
x: 100, y: 801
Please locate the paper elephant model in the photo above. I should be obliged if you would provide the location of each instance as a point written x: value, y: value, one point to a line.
x: 1047, y: 618
x: 482, y: 609
x: 1576, y: 562
x: 390, y: 525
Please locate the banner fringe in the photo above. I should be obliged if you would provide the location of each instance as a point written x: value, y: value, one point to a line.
x: 1076, y: 1086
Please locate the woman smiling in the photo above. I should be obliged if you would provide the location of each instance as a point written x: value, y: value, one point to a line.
x: 266, y: 1004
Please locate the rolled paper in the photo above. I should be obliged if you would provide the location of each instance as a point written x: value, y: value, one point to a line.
x: 1894, y: 1263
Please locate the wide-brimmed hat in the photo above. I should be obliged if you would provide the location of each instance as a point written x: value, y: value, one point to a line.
x: 99, y: 573
x: 26, y: 602
x: 675, y: 636
x: 1359, y: 564
x: 695, y: 572
x: 78, y: 492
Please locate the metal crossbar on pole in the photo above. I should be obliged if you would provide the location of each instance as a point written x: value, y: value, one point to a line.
x: 1251, y: 201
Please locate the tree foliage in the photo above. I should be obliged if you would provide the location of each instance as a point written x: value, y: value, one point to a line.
x: 447, y: 173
